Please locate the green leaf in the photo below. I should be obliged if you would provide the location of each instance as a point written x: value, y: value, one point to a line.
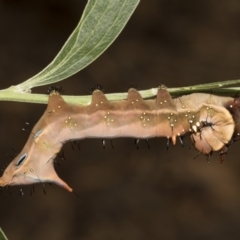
x: 2, y: 235
x: 101, y: 22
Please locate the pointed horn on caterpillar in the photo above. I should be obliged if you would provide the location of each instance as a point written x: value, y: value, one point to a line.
x: 206, y: 118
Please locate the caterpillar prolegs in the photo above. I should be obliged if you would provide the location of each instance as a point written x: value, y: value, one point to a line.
x: 210, y: 121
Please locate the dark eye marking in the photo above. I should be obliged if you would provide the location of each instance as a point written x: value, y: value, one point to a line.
x: 204, y: 124
x: 21, y: 160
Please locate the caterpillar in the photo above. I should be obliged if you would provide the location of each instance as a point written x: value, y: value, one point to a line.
x: 212, y: 122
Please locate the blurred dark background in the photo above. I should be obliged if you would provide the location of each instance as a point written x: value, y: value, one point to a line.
x: 124, y: 193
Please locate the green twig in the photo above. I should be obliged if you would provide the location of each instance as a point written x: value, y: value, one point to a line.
x: 11, y: 94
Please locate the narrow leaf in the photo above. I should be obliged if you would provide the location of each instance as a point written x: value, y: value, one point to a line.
x: 101, y: 22
x: 2, y: 235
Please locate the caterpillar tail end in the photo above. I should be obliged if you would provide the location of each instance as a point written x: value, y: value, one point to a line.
x: 63, y: 184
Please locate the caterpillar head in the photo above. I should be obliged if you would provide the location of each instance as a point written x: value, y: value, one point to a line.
x: 214, y: 129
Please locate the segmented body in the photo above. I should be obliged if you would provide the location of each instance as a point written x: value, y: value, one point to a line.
x: 211, y: 121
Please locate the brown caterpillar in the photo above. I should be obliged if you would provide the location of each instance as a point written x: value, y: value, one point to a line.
x: 211, y: 121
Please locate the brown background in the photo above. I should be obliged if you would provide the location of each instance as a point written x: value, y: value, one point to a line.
x: 124, y: 193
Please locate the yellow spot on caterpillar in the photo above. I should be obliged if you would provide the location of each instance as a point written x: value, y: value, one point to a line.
x: 132, y: 102
x: 172, y: 125
x: 107, y: 118
x: 169, y: 118
x: 148, y: 119
x: 198, y: 124
x: 66, y: 121
x: 101, y: 102
x: 231, y: 106
x: 75, y: 124
x: 165, y: 101
x: 136, y: 100
x: 191, y: 121
x: 144, y: 125
x: 59, y: 106
x: 144, y: 113
x: 186, y: 115
x: 96, y: 104
x: 69, y: 118
x: 53, y: 110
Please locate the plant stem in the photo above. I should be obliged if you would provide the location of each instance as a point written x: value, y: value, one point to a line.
x: 11, y: 94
